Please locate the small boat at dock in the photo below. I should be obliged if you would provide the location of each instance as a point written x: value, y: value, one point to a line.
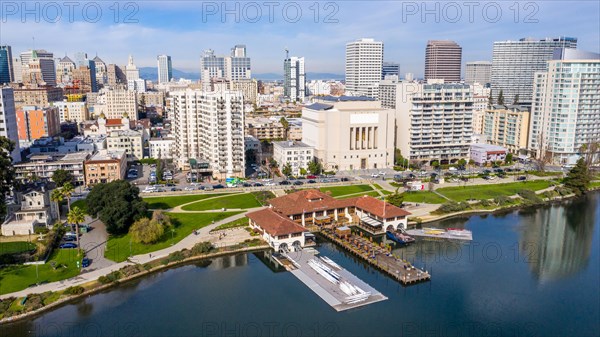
x: 399, y: 237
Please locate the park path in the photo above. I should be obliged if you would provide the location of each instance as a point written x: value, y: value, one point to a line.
x: 187, y: 242
x: 179, y: 209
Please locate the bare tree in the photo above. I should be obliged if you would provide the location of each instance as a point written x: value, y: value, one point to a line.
x: 589, y: 152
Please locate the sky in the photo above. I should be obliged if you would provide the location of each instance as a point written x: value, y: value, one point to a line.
x: 317, y: 31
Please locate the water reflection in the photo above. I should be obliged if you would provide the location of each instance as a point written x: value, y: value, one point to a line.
x: 229, y: 262
x: 557, y: 241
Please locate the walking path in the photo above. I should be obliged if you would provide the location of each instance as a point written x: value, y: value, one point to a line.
x: 187, y: 242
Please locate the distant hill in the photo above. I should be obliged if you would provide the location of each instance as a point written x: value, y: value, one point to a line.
x: 151, y: 73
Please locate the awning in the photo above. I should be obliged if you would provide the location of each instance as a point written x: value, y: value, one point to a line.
x: 371, y: 222
x: 321, y: 218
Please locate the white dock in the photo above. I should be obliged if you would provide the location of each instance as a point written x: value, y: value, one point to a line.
x: 436, y: 233
x: 324, y: 288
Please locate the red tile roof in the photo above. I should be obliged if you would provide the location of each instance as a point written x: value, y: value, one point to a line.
x: 378, y: 207
x: 275, y: 224
x: 306, y: 201
x: 113, y: 122
x: 314, y: 200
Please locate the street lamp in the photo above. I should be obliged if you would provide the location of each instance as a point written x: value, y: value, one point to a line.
x: 172, y: 235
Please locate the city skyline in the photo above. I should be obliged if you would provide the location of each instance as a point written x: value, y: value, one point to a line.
x: 185, y: 22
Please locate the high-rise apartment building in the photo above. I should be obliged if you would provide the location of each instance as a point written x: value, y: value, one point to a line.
x: 165, y: 68
x: 249, y: 89
x: 8, y: 121
x: 116, y: 103
x: 34, y: 123
x: 209, y: 126
x: 364, y: 62
x: 64, y: 70
x: 7, y: 74
x: 115, y: 76
x: 294, y: 79
x: 72, y: 111
x: 478, y: 72
x: 37, y: 96
x: 390, y: 69
x: 443, y: 60
x: 101, y: 72
x: 514, y: 64
x: 565, y: 109
x: 84, y: 77
x: 17, y: 70
x: 434, y: 120
x: 234, y: 67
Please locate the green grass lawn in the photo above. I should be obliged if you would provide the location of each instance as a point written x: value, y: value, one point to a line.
x: 491, y: 191
x: 372, y: 194
x: 117, y: 248
x: 15, y: 247
x: 424, y: 197
x: 595, y: 184
x: 15, y: 278
x: 243, y: 201
x: 174, y: 201
x: 337, y: 191
x: 242, y: 222
x: 81, y: 204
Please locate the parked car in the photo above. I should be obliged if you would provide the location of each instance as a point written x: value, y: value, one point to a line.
x: 345, y: 179
x: 85, y: 262
x: 175, y: 189
x: 311, y: 177
x: 521, y: 178
x: 68, y: 245
x: 188, y: 188
x: 374, y: 175
x: 257, y: 185
x: 298, y: 183
x: 284, y: 182
x: 247, y: 185
x: 218, y: 186
x: 311, y: 181
x: 68, y: 238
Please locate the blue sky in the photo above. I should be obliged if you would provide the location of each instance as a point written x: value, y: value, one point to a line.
x: 184, y: 29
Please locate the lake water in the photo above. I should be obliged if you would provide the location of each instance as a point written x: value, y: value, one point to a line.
x: 533, y: 272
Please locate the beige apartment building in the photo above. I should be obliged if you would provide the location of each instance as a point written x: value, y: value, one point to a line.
x: 507, y: 126
x: 38, y: 96
x: 105, y: 167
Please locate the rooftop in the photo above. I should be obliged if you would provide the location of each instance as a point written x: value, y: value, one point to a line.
x: 108, y: 155
x: 274, y: 223
x: 488, y: 147
x: 291, y: 144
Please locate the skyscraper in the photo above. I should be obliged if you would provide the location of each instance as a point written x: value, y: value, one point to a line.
x: 364, y: 61
x: 6, y: 65
x: 165, y: 69
x: 232, y: 68
x: 478, y: 72
x: 131, y: 71
x: 565, y: 110
x: 38, y: 68
x: 390, y: 68
x: 514, y: 64
x: 294, y: 78
x: 8, y: 120
x: 443, y: 60
x: 211, y: 129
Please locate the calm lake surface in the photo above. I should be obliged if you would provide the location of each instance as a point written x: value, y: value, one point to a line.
x: 532, y: 272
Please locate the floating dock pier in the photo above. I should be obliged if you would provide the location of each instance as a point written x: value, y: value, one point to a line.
x: 338, y: 287
x: 401, y: 270
x: 435, y: 233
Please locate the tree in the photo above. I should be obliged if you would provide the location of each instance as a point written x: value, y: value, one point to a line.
x: 501, y: 98
x: 578, y: 179
x: 57, y: 197
x: 509, y: 158
x: 287, y: 170
x: 589, y: 152
x: 395, y: 199
x: 76, y: 216
x: 146, y: 231
x: 61, y: 177
x: 162, y: 218
x: 462, y: 162
x: 435, y: 164
x: 516, y: 101
x: 67, y: 192
x: 303, y: 171
x: 490, y: 100
x: 400, y: 160
x: 7, y: 172
x: 315, y: 167
x: 273, y: 163
x: 117, y: 204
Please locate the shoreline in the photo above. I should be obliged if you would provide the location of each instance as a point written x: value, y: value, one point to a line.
x: 103, y: 287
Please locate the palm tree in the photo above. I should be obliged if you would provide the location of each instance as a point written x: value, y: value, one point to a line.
x: 67, y: 191
x: 76, y: 216
x: 57, y: 196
